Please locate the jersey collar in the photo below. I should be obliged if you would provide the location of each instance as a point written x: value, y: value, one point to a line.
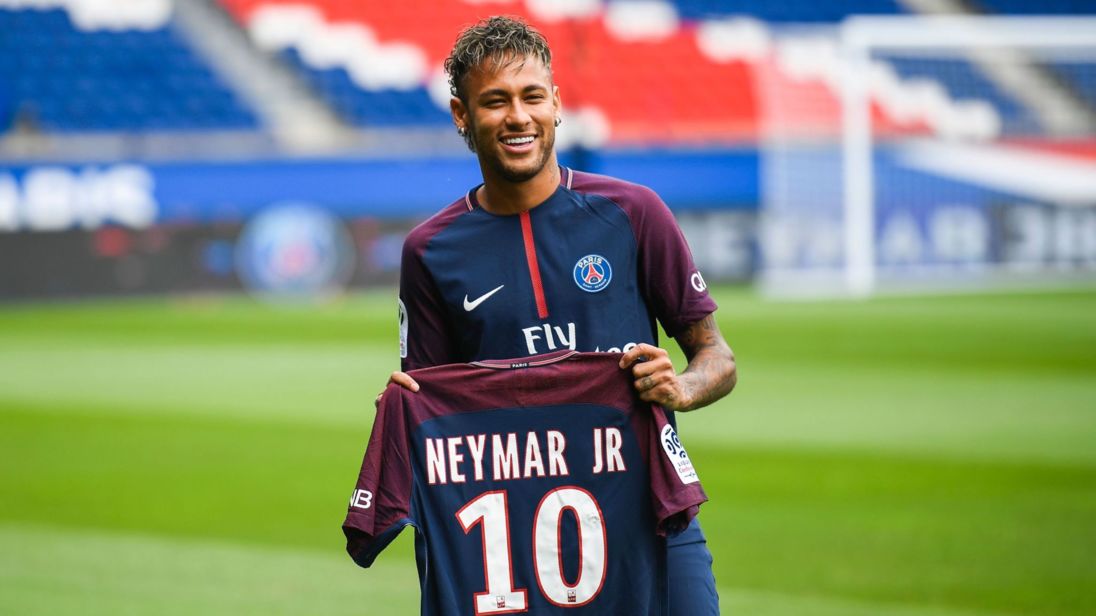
x: 566, y: 178
x: 524, y: 362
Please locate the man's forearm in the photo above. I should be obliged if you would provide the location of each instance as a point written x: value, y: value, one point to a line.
x: 711, y: 373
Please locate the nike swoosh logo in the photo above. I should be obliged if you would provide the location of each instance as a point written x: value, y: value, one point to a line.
x: 469, y: 306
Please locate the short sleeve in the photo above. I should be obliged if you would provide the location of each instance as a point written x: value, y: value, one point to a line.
x: 424, y: 337
x: 379, y: 507
x: 669, y: 279
x: 676, y: 493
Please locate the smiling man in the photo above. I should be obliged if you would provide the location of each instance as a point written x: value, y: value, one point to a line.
x: 541, y: 258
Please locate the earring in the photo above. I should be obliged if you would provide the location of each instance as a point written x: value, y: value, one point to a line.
x: 559, y: 120
x: 461, y: 131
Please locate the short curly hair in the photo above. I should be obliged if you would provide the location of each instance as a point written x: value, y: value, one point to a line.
x: 495, y: 38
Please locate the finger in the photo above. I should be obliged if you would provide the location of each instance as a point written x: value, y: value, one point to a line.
x: 404, y: 380
x: 656, y: 395
x: 652, y: 381
x: 645, y: 384
x: 662, y: 395
x: 653, y: 367
x: 633, y: 355
x: 640, y: 353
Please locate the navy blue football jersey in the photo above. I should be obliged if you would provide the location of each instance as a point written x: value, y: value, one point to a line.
x: 593, y: 268
x: 539, y: 485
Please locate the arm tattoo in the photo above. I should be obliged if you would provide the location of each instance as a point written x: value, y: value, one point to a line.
x: 711, y: 372
x: 702, y: 334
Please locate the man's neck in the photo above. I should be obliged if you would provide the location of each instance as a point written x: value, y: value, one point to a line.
x: 498, y: 196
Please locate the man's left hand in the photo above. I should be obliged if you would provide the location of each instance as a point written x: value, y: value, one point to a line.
x: 655, y: 378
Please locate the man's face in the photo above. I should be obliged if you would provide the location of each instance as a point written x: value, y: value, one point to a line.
x: 511, y: 112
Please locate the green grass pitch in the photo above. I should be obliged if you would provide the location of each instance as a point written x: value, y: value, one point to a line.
x: 906, y: 456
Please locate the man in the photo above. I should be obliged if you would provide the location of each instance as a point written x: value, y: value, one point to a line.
x: 540, y: 258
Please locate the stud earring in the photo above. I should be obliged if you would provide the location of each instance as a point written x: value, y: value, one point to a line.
x: 559, y: 120
x: 462, y: 131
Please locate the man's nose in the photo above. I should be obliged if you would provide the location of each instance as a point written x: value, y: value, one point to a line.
x: 519, y: 115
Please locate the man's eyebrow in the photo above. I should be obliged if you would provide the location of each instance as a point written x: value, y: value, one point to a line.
x: 503, y: 92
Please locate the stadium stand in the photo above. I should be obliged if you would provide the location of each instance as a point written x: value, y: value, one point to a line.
x: 640, y: 72
x: 658, y: 69
x: 963, y: 81
x: 1080, y: 79
x: 1042, y: 7
x: 65, y: 78
x: 789, y: 11
x: 362, y: 107
x: 692, y: 64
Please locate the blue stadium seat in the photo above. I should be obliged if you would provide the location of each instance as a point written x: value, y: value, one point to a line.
x: 1081, y: 79
x: 64, y: 79
x: 963, y: 80
x: 381, y: 108
x: 1042, y: 7
x: 788, y: 11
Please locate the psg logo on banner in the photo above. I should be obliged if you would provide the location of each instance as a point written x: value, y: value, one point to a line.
x: 593, y: 273
x: 295, y: 251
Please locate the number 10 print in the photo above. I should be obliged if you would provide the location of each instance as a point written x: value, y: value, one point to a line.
x: 501, y: 597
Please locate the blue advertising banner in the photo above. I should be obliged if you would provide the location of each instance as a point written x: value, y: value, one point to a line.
x: 54, y: 197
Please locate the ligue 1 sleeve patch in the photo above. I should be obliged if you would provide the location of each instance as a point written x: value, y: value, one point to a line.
x: 593, y: 273
x: 676, y: 453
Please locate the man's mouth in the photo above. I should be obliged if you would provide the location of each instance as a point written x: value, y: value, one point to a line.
x: 518, y: 141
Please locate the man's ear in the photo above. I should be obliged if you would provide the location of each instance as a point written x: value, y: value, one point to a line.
x: 459, y: 112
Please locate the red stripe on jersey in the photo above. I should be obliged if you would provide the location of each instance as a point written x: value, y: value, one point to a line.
x: 531, y: 259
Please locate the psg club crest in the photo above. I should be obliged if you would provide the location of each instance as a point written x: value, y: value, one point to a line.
x: 294, y: 251
x: 593, y: 273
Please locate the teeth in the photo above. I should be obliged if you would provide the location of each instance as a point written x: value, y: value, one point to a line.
x: 518, y: 140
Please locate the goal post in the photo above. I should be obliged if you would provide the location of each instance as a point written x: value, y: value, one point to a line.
x: 959, y: 152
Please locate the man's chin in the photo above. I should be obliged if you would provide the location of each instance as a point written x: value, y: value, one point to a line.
x: 519, y: 173
x: 517, y: 176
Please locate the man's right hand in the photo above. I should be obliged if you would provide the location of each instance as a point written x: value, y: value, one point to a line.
x: 402, y: 379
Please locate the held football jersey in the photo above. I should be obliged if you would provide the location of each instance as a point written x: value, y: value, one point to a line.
x: 541, y: 486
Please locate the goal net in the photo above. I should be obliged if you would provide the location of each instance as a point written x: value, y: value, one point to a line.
x: 927, y: 153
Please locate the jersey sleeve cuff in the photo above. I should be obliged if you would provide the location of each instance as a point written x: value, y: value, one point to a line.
x: 703, y: 309
x: 363, y: 547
